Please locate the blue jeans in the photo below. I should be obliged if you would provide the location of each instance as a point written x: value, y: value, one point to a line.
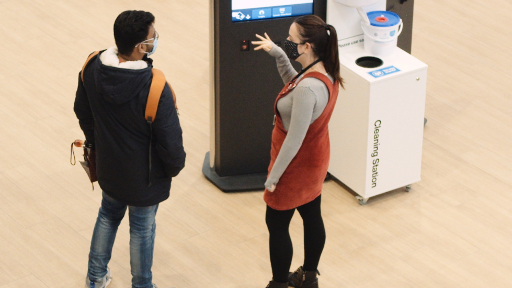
x: 142, y: 240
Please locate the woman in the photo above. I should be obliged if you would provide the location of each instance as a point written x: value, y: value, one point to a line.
x: 300, y: 145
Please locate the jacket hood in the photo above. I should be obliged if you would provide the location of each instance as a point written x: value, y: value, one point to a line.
x: 119, y: 85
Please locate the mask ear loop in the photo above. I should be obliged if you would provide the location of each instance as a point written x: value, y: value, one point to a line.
x: 312, y: 48
x: 154, y: 39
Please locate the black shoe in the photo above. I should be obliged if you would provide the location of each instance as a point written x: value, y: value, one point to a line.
x: 303, y: 279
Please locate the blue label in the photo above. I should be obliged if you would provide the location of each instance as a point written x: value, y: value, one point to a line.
x: 384, y: 71
x: 261, y: 13
x: 282, y: 11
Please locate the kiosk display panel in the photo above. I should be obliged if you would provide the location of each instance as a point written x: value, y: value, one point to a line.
x: 248, y: 10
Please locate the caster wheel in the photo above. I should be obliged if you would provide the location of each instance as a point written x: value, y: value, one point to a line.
x: 362, y: 201
x: 408, y: 188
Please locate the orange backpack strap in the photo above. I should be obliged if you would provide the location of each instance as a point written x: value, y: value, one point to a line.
x: 155, y: 91
x: 87, y: 62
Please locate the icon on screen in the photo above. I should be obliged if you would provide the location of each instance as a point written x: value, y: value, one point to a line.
x: 238, y: 15
x: 282, y: 11
x: 260, y: 13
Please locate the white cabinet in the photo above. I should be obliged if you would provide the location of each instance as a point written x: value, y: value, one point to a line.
x: 376, y: 130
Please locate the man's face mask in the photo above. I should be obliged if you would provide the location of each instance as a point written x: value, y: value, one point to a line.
x: 154, y: 43
x: 291, y: 49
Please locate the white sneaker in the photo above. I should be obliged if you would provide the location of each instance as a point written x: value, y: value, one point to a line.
x: 103, y: 283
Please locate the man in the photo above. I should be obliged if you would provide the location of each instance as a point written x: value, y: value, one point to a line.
x: 135, y: 161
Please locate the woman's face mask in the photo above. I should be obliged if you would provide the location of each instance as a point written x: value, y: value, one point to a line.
x: 291, y: 49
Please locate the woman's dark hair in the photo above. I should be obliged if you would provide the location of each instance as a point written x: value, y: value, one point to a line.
x: 131, y: 28
x: 324, y: 40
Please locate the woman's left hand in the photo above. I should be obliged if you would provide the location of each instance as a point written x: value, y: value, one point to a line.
x: 270, y: 185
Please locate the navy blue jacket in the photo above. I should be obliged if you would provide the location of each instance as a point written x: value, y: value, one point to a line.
x: 110, y: 104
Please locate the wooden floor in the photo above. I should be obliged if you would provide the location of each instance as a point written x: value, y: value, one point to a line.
x: 454, y: 229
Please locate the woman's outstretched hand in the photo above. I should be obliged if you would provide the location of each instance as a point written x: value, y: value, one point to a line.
x: 265, y: 43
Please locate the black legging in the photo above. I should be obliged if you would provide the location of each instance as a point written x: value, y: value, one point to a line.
x: 281, y: 249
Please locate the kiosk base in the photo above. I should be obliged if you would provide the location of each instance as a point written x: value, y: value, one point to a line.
x: 237, y: 183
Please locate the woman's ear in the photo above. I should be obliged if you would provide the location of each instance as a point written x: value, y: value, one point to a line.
x: 309, y: 47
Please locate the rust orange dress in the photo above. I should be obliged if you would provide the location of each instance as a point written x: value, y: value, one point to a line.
x: 303, y: 179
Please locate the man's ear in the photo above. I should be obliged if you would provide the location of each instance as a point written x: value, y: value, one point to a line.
x: 140, y: 48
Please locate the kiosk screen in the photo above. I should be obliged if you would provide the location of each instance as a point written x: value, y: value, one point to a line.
x: 248, y: 10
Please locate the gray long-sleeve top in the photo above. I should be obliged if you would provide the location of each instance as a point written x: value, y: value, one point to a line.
x: 301, y: 107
